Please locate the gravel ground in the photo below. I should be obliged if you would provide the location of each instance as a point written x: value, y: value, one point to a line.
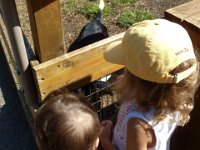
x: 15, y: 133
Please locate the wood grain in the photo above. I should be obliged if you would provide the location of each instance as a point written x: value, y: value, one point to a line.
x: 74, y: 69
x: 47, y: 28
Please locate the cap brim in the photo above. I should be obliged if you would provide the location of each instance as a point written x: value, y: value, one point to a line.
x: 114, y: 54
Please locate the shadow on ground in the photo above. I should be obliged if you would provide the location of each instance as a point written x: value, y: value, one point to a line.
x: 15, y: 133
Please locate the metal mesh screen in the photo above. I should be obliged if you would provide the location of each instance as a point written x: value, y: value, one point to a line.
x: 101, y: 96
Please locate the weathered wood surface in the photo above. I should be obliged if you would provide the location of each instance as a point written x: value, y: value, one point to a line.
x: 188, y: 15
x: 47, y: 29
x: 74, y: 69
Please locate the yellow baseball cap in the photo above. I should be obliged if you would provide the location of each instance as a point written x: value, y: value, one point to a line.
x: 151, y: 49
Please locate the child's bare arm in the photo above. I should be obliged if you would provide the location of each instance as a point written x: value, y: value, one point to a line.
x: 106, y: 135
x: 140, y: 135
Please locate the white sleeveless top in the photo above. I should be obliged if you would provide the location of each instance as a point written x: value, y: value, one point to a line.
x: 163, y: 130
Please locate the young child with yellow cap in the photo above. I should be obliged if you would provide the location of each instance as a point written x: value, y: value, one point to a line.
x: 157, y: 88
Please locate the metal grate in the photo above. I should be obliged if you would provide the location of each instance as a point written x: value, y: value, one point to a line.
x: 101, y: 96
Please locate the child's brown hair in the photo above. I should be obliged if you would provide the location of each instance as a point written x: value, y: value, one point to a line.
x: 164, y: 97
x: 66, y: 122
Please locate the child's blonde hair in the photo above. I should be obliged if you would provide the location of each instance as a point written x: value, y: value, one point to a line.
x: 66, y: 122
x: 164, y: 98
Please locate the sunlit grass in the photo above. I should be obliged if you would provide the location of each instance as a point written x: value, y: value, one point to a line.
x: 92, y: 9
x: 127, y: 18
x: 122, y: 1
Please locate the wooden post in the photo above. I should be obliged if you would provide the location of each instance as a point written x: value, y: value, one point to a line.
x: 47, y: 30
x: 15, y: 35
x: 188, y: 14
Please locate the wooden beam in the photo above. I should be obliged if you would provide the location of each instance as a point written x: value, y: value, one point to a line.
x: 74, y: 69
x: 47, y: 29
x: 188, y: 16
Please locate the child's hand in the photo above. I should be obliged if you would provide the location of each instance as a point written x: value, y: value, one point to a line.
x: 106, y: 135
x: 107, y: 126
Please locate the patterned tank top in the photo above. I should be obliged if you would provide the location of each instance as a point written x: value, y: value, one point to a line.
x: 163, y: 129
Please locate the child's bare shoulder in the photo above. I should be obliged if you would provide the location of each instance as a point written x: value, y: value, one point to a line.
x: 140, y: 132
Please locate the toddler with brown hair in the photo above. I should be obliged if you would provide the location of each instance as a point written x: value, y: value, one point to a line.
x: 67, y: 121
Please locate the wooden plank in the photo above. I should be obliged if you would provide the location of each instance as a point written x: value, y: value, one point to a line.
x: 74, y: 69
x: 188, y: 15
x: 47, y: 29
x: 184, y: 11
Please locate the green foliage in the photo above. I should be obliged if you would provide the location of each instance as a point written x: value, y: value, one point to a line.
x: 89, y: 9
x: 83, y: 7
x: 92, y: 9
x: 128, y: 18
x: 122, y: 1
x: 69, y: 5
